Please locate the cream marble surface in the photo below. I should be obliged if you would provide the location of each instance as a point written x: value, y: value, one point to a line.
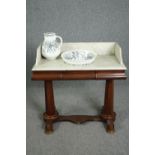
x: 109, y: 57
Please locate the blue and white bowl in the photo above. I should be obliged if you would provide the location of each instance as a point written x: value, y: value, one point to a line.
x: 78, y: 57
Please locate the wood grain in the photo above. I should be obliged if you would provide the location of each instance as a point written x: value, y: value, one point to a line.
x: 78, y: 75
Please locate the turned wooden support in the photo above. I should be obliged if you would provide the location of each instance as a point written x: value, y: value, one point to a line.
x: 107, y: 113
x: 49, y: 98
x: 50, y: 115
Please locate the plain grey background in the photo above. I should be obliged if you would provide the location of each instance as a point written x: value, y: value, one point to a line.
x: 77, y: 21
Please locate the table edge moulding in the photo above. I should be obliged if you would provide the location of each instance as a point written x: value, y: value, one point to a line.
x: 108, y: 66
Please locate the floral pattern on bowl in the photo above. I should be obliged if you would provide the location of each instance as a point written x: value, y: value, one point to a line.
x: 78, y: 57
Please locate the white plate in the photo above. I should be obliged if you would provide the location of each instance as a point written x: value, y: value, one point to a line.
x: 78, y: 57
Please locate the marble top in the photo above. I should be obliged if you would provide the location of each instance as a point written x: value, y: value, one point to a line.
x: 109, y: 58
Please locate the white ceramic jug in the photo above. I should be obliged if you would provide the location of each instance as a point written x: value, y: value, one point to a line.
x: 51, y: 45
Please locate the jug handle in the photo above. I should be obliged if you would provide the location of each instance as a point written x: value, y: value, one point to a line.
x: 61, y: 40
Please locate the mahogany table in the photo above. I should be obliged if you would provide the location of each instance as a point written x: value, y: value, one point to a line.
x: 108, y: 66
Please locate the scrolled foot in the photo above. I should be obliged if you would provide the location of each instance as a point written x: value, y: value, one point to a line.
x: 48, y: 127
x: 110, y: 126
x: 49, y: 122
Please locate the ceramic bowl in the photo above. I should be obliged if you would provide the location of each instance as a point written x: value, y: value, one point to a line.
x: 78, y: 57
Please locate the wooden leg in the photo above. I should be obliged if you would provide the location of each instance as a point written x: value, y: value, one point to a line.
x: 48, y: 125
x: 107, y: 112
x: 50, y: 115
x: 110, y: 126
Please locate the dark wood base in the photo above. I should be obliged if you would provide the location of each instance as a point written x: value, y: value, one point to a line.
x: 107, y: 114
x: 78, y: 119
